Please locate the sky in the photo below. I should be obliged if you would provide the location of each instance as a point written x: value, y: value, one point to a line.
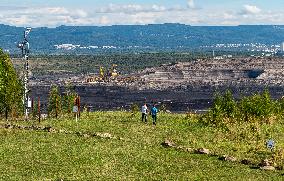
x: 53, y: 13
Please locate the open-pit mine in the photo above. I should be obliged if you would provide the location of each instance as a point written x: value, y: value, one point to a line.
x: 183, y: 86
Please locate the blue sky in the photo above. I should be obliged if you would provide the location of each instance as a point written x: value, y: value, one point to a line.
x: 52, y: 13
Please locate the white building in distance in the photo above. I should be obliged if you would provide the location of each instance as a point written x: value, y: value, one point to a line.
x: 282, y: 47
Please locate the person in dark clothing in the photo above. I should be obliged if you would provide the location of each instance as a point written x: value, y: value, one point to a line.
x: 154, y: 112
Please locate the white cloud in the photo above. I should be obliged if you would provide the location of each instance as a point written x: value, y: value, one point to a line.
x: 136, y: 8
x: 191, y: 4
x: 51, y: 10
x: 228, y: 15
x: 36, y: 16
x: 43, y: 16
x: 137, y: 14
x: 250, y: 9
x: 12, y: 8
x: 158, y: 8
x: 104, y: 20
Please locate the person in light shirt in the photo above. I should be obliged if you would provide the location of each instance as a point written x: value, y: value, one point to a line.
x: 144, y: 111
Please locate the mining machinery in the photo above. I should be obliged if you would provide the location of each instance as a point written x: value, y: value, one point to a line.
x: 111, y: 75
x: 104, y: 76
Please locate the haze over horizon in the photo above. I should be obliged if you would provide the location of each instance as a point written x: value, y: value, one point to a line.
x: 53, y: 13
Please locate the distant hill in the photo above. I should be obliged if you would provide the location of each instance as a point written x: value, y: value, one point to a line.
x: 156, y: 37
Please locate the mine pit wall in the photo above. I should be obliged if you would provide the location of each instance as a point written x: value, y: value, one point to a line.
x: 183, y: 99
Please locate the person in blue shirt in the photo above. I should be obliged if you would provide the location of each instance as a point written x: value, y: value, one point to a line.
x: 154, y: 112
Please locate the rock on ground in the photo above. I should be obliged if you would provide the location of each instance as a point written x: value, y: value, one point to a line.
x: 168, y: 143
x: 267, y: 168
x: 228, y: 158
x: 203, y: 151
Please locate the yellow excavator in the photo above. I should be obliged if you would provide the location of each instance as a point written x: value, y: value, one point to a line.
x: 104, y: 76
x: 113, y: 72
x: 102, y: 72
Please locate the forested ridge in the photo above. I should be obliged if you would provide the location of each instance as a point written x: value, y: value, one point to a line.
x: 141, y: 38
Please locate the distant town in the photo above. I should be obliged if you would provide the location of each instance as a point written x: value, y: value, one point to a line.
x: 265, y: 50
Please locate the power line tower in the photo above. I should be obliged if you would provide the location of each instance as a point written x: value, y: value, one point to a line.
x: 25, y: 47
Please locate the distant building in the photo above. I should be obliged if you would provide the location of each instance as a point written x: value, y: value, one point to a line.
x: 218, y: 58
x: 282, y: 47
x: 281, y: 51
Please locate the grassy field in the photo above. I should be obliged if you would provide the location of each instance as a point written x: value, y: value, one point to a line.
x: 41, y: 155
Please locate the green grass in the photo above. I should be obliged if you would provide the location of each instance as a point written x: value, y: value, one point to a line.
x: 39, y: 155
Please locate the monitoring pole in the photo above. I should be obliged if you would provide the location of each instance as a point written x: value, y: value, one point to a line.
x: 25, y: 47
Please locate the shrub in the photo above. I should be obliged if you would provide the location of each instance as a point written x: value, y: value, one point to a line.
x: 224, y: 106
x: 134, y: 108
x: 163, y: 107
x: 258, y: 107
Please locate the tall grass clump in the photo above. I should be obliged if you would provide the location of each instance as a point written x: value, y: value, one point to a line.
x: 260, y: 108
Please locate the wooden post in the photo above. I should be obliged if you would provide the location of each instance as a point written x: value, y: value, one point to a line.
x: 75, y: 108
x: 38, y: 109
x: 69, y: 105
x: 56, y: 107
x: 75, y: 104
x: 32, y: 108
x: 79, y: 104
x: 88, y: 109
x: 6, y: 113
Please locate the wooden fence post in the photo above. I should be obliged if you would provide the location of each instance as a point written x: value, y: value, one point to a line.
x: 38, y: 109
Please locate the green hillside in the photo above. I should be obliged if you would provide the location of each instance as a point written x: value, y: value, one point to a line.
x: 118, y: 146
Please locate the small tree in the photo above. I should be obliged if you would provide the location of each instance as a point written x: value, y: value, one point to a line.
x: 68, y: 99
x: 11, y: 90
x: 229, y: 105
x: 54, y: 102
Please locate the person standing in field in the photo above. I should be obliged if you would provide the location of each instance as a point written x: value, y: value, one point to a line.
x: 154, y: 112
x: 144, y: 111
